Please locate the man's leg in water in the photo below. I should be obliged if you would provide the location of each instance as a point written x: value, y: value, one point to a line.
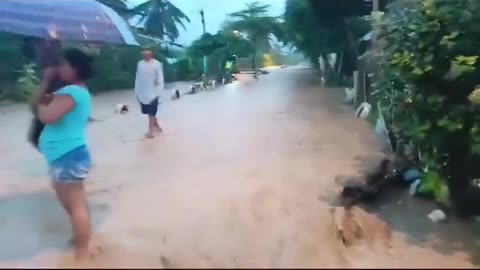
x: 152, y: 119
x: 151, y: 126
x: 73, y: 197
x: 157, y: 126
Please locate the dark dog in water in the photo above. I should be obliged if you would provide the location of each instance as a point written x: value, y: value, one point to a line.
x: 176, y: 94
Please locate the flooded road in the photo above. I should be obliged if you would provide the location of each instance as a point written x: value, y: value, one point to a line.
x: 234, y: 181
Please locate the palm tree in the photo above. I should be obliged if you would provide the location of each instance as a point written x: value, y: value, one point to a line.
x: 255, y: 22
x: 160, y: 18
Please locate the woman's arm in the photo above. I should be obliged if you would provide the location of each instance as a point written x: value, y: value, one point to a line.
x: 54, y: 111
x: 42, y: 97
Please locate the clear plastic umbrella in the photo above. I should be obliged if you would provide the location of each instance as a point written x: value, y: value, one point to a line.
x: 75, y: 20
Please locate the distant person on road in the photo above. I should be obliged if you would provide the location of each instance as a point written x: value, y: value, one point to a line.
x: 63, y: 140
x: 148, y: 87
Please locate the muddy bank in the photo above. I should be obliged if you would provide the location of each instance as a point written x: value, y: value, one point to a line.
x: 234, y: 181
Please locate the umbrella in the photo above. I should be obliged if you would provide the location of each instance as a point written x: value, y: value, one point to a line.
x: 75, y: 20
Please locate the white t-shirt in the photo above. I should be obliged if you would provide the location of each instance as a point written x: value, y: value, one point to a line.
x: 148, y: 80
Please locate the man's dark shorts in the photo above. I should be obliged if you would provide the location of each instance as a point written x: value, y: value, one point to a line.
x: 150, y: 109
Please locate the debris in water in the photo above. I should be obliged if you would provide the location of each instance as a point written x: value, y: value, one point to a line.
x: 349, y: 95
x: 414, y: 187
x: 352, y: 224
x: 338, y: 216
x: 437, y: 216
x: 363, y: 110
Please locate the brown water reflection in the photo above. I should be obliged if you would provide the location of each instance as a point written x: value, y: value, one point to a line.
x: 233, y: 182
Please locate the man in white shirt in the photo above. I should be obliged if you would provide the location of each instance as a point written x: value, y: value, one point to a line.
x: 148, y: 86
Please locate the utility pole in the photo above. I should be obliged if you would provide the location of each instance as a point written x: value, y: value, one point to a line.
x: 205, y: 57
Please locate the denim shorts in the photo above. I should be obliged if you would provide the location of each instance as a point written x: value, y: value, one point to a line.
x: 72, y: 167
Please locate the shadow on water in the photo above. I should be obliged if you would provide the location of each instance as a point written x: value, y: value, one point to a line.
x: 35, y: 222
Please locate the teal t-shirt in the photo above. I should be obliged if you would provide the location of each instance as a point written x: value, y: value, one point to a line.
x: 70, y: 131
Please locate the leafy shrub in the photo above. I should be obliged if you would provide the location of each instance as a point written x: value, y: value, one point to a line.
x: 24, y: 87
x: 428, y: 55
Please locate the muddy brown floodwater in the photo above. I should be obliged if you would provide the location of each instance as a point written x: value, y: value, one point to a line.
x: 234, y: 181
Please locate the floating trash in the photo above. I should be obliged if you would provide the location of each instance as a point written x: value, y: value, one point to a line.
x: 414, y: 187
x: 437, y: 216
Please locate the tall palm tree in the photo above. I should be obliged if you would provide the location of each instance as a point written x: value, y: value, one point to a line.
x: 160, y: 18
x: 255, y: 22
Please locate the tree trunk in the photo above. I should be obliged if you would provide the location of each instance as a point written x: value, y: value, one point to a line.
x: 350, y: 52
x: 254, y: 60
x: 326, y: 70
x: 340, y: 65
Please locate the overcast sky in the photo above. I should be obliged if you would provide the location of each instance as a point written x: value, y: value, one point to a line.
x: 215, y: 14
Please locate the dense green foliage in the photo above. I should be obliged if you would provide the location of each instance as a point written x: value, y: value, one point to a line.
x: 429, y: 68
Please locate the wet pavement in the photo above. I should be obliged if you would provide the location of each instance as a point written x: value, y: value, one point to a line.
x: 234, y: 181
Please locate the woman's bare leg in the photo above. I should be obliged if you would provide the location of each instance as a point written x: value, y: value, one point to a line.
x: 62, y: 198
x: 73, y: 196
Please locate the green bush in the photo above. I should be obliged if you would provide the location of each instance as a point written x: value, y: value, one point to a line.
x: 429, y: 66
x: 27, y: 84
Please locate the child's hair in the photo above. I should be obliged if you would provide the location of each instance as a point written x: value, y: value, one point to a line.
x: 80, y: 61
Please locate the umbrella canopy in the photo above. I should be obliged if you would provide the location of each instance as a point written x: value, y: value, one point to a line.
x: 75, y: 20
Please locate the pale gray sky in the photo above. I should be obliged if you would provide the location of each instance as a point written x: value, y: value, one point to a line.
x: 215, y: 14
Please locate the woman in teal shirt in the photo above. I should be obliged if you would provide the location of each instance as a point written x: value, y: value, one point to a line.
x: 63, y: 141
